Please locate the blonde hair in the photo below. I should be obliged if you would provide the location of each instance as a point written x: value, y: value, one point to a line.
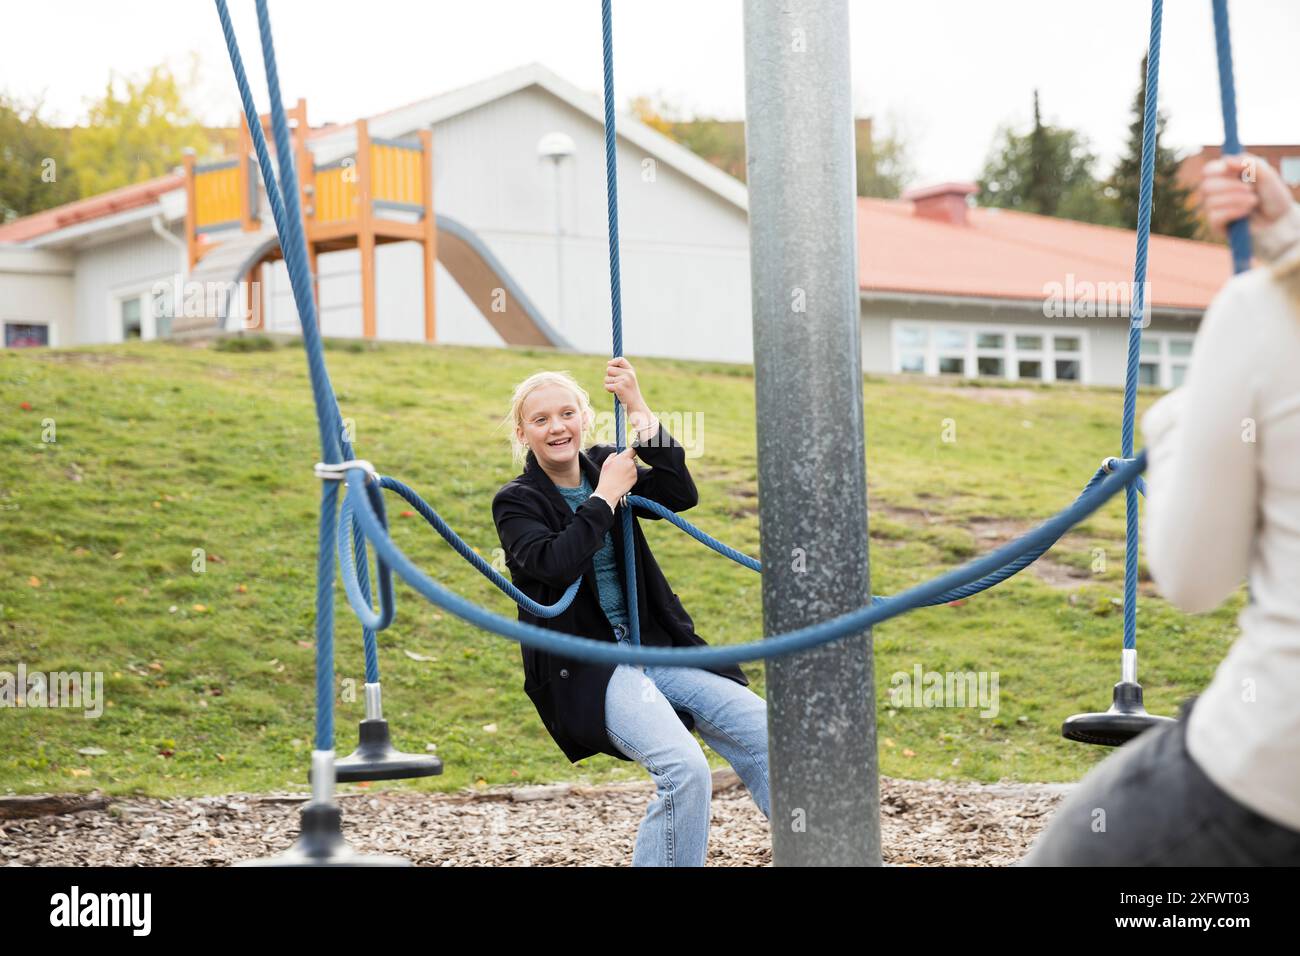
x: 514, y: 419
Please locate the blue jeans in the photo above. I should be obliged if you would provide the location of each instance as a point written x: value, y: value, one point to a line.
x: 643, y: 725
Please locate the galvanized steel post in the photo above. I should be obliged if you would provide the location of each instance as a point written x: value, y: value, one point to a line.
x: 799, y: 137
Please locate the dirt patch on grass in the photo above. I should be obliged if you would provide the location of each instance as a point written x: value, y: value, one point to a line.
x: 995, y: 532
x: 97, y: 359
x: 923, y: 823
x: 992, y: 396
x: 743, y: 501
x: 990, y: 533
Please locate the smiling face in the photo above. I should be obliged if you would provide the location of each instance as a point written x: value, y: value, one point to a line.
x: 552, y: 427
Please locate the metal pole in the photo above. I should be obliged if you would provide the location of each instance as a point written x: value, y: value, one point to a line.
x: 560, y: 321
x: 811, y: 465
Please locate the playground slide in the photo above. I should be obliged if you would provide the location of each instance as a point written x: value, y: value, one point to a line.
x: 462, y: 253
x: 480, y: 274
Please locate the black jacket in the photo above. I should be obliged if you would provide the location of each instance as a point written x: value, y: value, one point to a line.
x: 548, y: 546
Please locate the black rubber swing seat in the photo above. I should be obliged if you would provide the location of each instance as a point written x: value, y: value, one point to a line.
x: 1125, y: 720
x: 320, y: 843
x: 377, y: 759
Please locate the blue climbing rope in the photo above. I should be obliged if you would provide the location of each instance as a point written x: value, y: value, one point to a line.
x: 360, y: 602
x: 577, y: 647
x: 1137, y: 318
x: 470, y: 555
x: 1239, y: 231
x: 616, y: 300
x: 327, y: 416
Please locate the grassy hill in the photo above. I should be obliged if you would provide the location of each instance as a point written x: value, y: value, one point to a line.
x: 162, y: 449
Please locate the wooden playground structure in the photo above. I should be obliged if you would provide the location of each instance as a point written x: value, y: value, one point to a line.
x: 382, y: 193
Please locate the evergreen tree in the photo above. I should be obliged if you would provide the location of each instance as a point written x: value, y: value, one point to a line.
x: 1172, y: 213
x: 1039, y: 191
x: 1048, y: 171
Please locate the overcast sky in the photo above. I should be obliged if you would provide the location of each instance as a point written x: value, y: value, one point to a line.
x: 947, y: 72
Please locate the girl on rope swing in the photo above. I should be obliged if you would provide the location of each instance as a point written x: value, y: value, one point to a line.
x: 1221, y: 787
x: 559, y: 521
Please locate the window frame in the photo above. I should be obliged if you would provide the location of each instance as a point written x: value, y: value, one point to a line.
x: 1292, y: 164
x: 49, y: 327
x: 1010, y: 356
x: 144, y: 292
x: 1164, y: 361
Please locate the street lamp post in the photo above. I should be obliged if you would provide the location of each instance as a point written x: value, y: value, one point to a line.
x: 557, y: 147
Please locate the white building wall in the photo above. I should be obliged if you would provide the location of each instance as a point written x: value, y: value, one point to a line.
x: 106, y: 273
x: 685, y: 250
x: 36, y: 287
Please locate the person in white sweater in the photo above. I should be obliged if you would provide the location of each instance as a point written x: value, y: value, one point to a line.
x: 1221, y: 786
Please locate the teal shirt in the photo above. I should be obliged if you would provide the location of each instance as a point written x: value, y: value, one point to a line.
x: 608, y: 585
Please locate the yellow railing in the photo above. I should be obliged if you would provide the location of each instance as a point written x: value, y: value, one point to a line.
x: 216, y: 195
x: 336, y: 192
x: 395, y: 174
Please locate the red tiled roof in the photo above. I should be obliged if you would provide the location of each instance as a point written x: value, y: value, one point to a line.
x: 95, y: 207
x: 1003, y: 254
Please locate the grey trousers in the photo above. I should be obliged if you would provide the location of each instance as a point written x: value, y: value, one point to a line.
x: 1151, y: 805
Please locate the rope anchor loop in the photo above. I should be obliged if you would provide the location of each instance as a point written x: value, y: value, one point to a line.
x: 339, y: 472
x: 1111, y: 464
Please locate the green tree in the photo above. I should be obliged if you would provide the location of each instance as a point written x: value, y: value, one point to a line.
x: 884, y: 161
x: 34, y: 172
x: 1048, y: 171
x: 721, y: 142
x: 137, y: 130
x: 1172, y: 213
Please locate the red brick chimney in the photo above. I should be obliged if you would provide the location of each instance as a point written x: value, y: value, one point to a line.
x: 945, y: 202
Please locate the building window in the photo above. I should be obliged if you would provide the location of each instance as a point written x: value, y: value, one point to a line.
x: 160, y: 302
x: 1009, y: 353
x: 1149, y: 361
x: 951, y: 346
x: 1164, y: 359
x: 912, y: 345
x: 23, y: 335
x: 990, y: 359
x: 1289, y: 167
x: 130, y: 310
x: 1067, y: 370
x: 1068, y: 357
